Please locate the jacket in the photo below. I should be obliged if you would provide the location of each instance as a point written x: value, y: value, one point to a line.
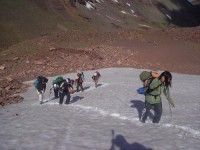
x: 156, y: 88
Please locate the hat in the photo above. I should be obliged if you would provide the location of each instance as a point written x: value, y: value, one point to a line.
x: 144, y: 75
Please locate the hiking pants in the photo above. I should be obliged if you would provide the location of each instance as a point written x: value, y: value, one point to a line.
x: 96, y: 79
x: 157, y: 111
x: 62, y: 95
x: 56, y: 92
x: 79, y: 84
x: 41, y: 95
x: 44, y: 86
x: 96, y: 82
x: 68, y: 98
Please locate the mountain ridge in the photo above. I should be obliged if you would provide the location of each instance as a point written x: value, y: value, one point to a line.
x: 26, y: 19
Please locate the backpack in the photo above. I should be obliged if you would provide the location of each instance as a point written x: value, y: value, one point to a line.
x: 70, y: 81
x: 36, y: 83
x: 40, y: 82
x: 71, y: 90
x: 64, y: 86
x: 58, y: 80
x: 147, y: 77
x: 81, y: 75
x: 98, y: 74
x: 80, y: 78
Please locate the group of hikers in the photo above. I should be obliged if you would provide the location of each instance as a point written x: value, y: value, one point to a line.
x: 153, y: 86
x: 63, y: 87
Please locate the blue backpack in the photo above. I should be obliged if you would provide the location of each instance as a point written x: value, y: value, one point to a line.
x: 36, y: 83
x: 141, y: 90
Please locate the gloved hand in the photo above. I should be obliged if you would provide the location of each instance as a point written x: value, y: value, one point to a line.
x: 172, y: 104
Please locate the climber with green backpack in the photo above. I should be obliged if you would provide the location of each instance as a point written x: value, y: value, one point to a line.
x: 56, y: 85
x: 153, y: 86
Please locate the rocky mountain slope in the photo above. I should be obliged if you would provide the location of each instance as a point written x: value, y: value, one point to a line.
x: 26, y: 19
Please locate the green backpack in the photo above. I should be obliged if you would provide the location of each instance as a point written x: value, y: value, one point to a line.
x: 58, y: 80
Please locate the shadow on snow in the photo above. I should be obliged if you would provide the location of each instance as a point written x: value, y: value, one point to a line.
x: 120, y: 142
x: 140, y: 106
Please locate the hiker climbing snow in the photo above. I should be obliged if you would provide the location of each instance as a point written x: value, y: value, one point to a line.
x: 79, y: 81
x: 96, y: 77
x: 153, y: 88
x: 56, y: 85
x: 64, y: 91
x: 40, y: 85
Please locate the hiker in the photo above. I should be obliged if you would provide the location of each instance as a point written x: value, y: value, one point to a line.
x: 79, y: 81
x: 40, y: 85
x: 64, y: 90
x: 153, y: 94
x: 96, y: 77
x: 56, y: 85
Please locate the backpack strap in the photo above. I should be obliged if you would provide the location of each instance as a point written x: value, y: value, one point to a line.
x: 148, y: 91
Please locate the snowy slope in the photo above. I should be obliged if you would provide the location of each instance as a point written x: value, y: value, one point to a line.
x: 104, y: 118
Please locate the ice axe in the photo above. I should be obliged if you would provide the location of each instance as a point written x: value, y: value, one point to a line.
x: 50, y: 93
x: 113, y: 140
x: 171, y: 113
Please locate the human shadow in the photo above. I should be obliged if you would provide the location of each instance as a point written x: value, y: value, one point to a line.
x: 48, y: 100
x: 120, y: 142
x: 84, y: 88
x: 75, y: 99
x: 140, y: 106
x: 99, y: 85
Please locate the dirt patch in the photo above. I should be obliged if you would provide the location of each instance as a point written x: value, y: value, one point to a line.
x: 9, y: 88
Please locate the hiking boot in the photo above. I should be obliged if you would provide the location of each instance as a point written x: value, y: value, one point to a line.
x: 142, y: 121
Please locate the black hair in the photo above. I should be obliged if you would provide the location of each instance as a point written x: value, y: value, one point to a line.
x: 168, y: 78
x: 39, y: 78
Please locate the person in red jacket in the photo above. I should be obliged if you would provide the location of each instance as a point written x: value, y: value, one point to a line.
x: 79, y: 81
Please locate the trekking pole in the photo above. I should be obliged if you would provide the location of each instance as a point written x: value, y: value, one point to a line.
x: 113, y: 138
x: 170, y: 113
x: 50, y: 93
